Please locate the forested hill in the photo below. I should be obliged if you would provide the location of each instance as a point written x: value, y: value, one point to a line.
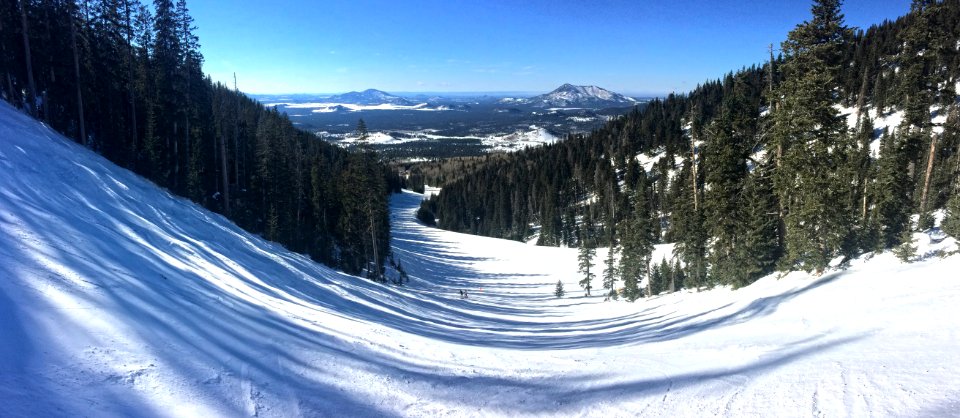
x: 824, y: 151
x: 125, y: 79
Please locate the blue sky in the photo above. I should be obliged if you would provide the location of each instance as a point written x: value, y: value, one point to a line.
x: 639, y: 47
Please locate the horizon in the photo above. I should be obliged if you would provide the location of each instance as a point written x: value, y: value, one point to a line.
x: 641, y: 50
x: 449, y: 93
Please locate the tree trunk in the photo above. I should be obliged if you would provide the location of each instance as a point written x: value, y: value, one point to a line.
x: 76, y: 72
x: 236, y: 134
x: 862, y: 95
x: 186, y: 110
x: 373, y: 241
x: 32, y: 100
x: 693, y: 171
x: 226, y: 176
x: 131, y: 59
x: 926, y: 176
x: 10, y: 86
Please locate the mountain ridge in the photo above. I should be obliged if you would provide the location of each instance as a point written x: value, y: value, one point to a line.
x: 369, y: 97
x: 589, y: 96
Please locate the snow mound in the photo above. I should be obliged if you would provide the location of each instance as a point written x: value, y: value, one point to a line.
x: 119, y: 299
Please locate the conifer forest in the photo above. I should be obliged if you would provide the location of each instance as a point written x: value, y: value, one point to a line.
x: 773, y: 167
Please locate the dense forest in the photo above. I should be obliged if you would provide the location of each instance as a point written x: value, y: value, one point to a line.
x: 771, y: 167
x: 125, y: 80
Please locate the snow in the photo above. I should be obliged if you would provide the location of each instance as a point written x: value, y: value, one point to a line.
x: 119, y: 299
x: 351, y: 107
x: 377, y: 138
x: 429, y: 190
x: 889, y: 121
x: 532, y: 137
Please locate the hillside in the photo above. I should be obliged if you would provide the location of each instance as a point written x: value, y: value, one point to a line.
x: 120, y: 299
x: 844, y: 144
x: 571, y: 96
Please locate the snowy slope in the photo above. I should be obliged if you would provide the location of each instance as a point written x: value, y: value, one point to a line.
x: 118, y: 299
x: 570, y: 96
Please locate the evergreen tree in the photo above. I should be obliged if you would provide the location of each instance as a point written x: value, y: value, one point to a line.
x: 758, y: 250
x: 814, y: 140
x: 363, y: 135
x: 585, y: 259
x: 637, y: 243
x: 725, y: 170
x: 130, y: 76
x: 690, y: 234
x: 892, y: 191
x: 558, y: 291
x: 906, y: 251
x: 864, y: 236
x: 951, y: 222
x: 610, y: 271
x: 677, y: 280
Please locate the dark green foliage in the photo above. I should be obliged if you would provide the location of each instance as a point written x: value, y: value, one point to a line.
x: 637, y: 243
x: 585, y: 260
x: 811, y: 182
x: 558, y: 291
x: 757, y: 251
x: 689, y: 229
x: 726, y: 205
x: 147, y: 106
x: 426, y: 216
x: 740, y: 193
x: 906, y: 251
x: 951, y: 222
x: 892, y: 191
x: 361, y: 132
x: 611, y: 271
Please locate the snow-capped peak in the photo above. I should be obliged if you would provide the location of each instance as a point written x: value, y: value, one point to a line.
x: 569, y: 95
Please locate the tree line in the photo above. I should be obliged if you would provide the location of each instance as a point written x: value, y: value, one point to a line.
x: 126, y: 80
x: 756, y: 171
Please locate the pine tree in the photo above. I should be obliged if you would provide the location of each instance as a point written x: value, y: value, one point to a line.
x: 585, y: 259
x: 677, y: 280
x: 892, y: 191
x: 951, y: 222
x: 864, y: 237
x: 610, y: 270
x: 637, y: 243
x: 725, y: 170
x: 690, y: 233
x: 558, y: 291
x: 906, y: 251
x: 758, y: 250
x: 363, y: 135
x: 814, y: 140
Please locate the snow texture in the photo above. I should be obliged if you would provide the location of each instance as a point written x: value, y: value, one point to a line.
x: 568, y: 97
x: 119, y: 299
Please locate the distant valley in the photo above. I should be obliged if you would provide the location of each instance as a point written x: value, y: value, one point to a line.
x: 417, y: 126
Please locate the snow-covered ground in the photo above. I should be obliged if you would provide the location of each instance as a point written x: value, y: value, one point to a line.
x: 352, y: 107
x: 119, y: 299
x: 532, y: 137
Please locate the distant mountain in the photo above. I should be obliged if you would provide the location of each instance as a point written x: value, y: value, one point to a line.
x: 569, y: 95
x: 369, y: 97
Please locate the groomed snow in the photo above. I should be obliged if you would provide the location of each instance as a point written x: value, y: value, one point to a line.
x: 119, y: 299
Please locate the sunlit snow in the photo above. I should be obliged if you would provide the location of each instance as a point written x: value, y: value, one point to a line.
x: 119, y: 299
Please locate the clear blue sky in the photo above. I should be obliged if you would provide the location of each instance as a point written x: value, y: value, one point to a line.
x: 630, y: 46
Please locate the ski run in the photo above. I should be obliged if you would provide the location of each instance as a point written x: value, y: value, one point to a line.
x: 119, y: 299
